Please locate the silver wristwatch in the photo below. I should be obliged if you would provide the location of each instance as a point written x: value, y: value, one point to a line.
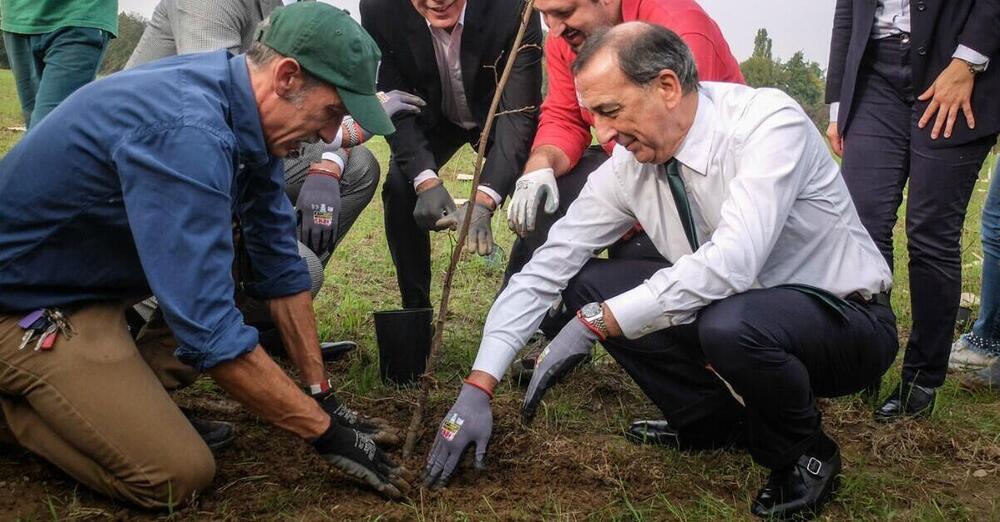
x: 975, y: 68
x: 593, y: 314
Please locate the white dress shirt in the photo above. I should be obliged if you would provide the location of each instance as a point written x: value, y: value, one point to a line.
x: 892, y: 17
x: 454, y: 103
x: 769, y: 204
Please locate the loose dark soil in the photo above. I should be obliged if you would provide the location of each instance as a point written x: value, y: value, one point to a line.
x: 572, y: 464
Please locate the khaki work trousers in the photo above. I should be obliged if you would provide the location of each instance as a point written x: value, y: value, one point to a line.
x: 97, y: 406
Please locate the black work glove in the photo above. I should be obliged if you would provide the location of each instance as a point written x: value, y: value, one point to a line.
x: 570, y: 348
x: 318, y: 211
x: 435, y: 210
x: 357, y: 456
x: 470, y: 421
x: 480, y: 237
x: 375, y: 428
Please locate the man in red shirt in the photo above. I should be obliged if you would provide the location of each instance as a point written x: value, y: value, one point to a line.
x: 562, y: 156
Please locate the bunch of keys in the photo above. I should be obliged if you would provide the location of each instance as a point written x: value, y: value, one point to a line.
x: 46, y: 323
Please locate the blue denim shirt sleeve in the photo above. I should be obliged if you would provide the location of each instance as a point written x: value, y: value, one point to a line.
x: 177, y: 191
x: 268, y: 223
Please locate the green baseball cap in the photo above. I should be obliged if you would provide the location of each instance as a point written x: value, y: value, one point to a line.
x: 331, y: 46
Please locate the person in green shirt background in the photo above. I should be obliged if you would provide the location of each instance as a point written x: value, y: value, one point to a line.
x: 54, y: 48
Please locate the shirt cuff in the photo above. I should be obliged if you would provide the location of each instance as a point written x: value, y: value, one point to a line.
x: 970, y: 55
x: 422, y: 177
x: 282, y: 281
x: 491, y: 193
x: 638, y: 312
x: 834, y: 109
x: 334, y: 157
x: 231, y: 342
x: 494, y: 357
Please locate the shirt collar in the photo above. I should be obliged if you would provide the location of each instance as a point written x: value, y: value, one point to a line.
x: 461, y: 18
x: 245, y: 115
x: 695, y: 150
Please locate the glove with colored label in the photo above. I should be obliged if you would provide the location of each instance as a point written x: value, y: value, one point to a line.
x: 357, y: 456
x: 470, y: 421
x: 375, y: 428
x: 570, y: 348
x: 399, y: 102
x: 318, y: 211
x: 480, y: 237
x: 435, y: 210
x: 529, y: 192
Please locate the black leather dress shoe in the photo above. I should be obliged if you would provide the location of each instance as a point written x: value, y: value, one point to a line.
x: 907, y: 400
x: 655, y: 432
x: 799, y: 491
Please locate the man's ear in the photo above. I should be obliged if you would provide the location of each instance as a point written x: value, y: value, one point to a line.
x: 670, y: 87
x: 287, y: 76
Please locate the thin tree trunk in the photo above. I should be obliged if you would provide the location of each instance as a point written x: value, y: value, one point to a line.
x: 426, y: 379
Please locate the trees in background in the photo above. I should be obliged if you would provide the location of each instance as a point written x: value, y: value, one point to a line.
x: 802, y: 80
x: 130, y: 28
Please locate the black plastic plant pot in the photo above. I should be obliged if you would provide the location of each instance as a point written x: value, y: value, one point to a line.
x: 404, y: 342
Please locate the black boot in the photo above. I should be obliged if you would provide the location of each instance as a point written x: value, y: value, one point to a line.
x: 216, y: 434
x: 727, y: 434
x: 907, y: 400
x: 655, y: 432
x: 800, y: 490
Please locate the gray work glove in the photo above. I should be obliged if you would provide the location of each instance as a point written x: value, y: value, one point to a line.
x: 375, y: 428
x: 529, y: 192
x: 318, y: 211
x: 357, y: 456
x: 480, y: 237
x: 469, y: 421
x: 399, y: 102
x: 569, y: 349
x: 435, y: 210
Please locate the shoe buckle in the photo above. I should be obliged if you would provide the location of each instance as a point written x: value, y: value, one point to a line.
x: 814, y: 466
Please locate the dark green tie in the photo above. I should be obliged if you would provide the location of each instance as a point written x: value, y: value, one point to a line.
x: 676, y: 183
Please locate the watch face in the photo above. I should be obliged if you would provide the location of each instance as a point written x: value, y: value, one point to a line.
x: 591, y: 310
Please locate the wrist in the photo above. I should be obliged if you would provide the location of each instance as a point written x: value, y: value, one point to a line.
x: 428, y: 184
x: 592, y: 317
x: 486, y: 200
x: 317, y: 170
x: 482, y: 380
x: 319, y: 388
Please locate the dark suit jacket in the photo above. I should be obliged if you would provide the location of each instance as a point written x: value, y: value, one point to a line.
x: 408, y: 64
x: 936, y: 29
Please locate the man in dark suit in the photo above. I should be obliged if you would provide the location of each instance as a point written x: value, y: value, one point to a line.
x: 451, y: 54
x: 914, y: 94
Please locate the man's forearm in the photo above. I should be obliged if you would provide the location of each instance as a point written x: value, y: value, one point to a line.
x: 296, y: 322
x: 263, y: 388
x: 548, y: 157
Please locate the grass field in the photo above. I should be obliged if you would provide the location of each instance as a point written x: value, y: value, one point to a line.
x: 572, y: 463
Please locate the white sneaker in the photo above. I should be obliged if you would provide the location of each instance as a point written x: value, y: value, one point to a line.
x: 965, y: 357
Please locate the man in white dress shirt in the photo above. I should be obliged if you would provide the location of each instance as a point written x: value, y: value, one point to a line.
x: 774, y: 293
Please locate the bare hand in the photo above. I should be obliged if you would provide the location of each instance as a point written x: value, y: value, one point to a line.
x: 836, y: 142
x: 950, y: 93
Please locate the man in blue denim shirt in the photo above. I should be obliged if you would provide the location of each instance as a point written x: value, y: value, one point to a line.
x: 129, y: 188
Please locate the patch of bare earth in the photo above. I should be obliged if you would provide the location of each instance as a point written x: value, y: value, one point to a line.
x: 571, y: 464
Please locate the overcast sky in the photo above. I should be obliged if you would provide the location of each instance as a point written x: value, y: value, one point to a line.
x: 793, y: 24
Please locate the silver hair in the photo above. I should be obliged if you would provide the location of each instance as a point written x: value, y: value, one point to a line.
x: 642, y: 53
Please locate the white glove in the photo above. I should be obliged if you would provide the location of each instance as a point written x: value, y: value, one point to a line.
x: 531, y: 188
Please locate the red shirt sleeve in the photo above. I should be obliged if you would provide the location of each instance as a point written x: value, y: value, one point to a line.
x: 561, y: 123
x: 565, y: 125
x: 702, y: 35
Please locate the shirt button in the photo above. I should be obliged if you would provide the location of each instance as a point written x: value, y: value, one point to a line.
x: 922, y: 51
x: 921, y: 6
